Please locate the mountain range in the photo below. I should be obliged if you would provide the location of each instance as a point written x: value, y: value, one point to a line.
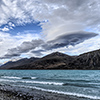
x: 57, y: 60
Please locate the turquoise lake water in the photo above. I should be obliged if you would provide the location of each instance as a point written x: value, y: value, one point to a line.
x: 80, y: 83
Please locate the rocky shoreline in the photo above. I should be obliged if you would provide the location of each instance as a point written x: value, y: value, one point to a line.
x: 19, y: 93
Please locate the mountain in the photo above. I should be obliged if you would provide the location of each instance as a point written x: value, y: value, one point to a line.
x: 14, y: 64
x: 57, y: 60
x: 90, y: 60
x: 52, y: 61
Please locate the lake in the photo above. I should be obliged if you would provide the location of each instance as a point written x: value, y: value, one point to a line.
x: 80, y: 83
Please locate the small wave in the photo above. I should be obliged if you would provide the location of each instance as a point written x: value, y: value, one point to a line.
x: 33, y: 77
x: 70, y: 80
x: 80, y: 85
x: 29, y: 77
x: 43, y: 82
x: 9, y: 77
x: 12, y: 77
x: 64, y: 93
x: 3, y: 80
x: 26, y: 77
x: 36, y: 82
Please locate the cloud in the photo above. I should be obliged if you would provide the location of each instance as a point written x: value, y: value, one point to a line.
x: 86, y: 46
x: 23, y: 48
x: 38, y: 46
x: 70, y: 16
x: 59, y: 19
x: 9, y: 56
x: 38, y: 52
x: 8, y: 41
x: 5, y: 29
x: 62, y: 16
x: 1, y: 40
x: 69, y: 39
x: 11, y: 24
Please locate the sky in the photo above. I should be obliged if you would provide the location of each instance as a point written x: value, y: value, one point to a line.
x: 35, y: 28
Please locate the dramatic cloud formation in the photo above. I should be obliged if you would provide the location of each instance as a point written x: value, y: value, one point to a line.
x: 23, y: 48
x: 9, y: 42
x: 61, y: 41
x: 65, y: 25
x: 69, y: 39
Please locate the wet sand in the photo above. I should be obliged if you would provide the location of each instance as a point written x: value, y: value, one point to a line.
x: 20, y: 93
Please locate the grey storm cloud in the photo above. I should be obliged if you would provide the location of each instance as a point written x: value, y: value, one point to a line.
x: 38, y: 52
x: 68, y: 39
x: 23, y: 48
x: 8, y: 56
x: 60, y: 41
x: 26, y: 46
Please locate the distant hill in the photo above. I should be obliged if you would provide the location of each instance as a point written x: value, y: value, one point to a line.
x: 57, y: 60
x: 90, y: 60
x: 21, y: 62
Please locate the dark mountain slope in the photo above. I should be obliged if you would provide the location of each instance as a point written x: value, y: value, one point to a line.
x: 15, y: 64
x: 90, y: 60
x: 52, y: 61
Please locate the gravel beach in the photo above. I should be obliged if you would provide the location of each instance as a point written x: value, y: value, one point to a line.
x: 20, y: 93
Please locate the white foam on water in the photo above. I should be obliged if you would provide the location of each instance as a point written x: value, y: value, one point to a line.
x: 36, y: 82
x: 65, y: 93
x: 10, y: 77
x: 43, y: 82
x: 5, y: 80
x: 52, y: 91
x: 29, y: 77
x: 33, y: 77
